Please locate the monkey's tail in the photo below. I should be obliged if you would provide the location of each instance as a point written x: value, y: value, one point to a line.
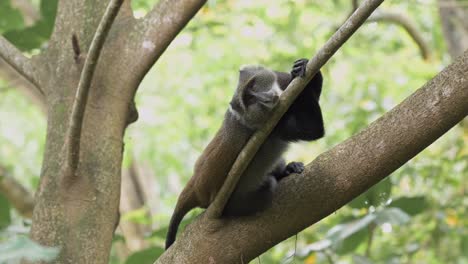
x: 185, y: 203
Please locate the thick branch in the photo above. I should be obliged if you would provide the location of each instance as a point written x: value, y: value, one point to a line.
x: 72, y: 142
x: 19, y: 197
x: 408, y: 25
x: 18, y: 61
x: 287, y: 98
x: 160, y: 27
x: 335, y: 177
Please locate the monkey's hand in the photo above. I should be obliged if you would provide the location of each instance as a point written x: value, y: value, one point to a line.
x: 284, y: 171
x: 299, y: 68
x: 294, y: 167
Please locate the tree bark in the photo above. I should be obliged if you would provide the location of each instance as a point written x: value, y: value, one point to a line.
x: 334, y: 178
x: 80, y: 216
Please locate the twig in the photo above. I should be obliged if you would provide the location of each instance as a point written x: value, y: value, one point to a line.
x: 371, y: 229
x: 287, y: 98
x: 408, y: 25
x: 72, y: 140
x: 18, y: 61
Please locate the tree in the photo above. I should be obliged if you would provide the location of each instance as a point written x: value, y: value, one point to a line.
x: 76, y: 208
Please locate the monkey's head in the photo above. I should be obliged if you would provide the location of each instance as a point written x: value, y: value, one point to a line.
x: 256, y: 95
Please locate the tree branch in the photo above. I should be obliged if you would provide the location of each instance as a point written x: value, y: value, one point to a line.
x: 73, y: 136
x: 159, y: 27
x: 335, y: 177
x: 287, y: 98
x: 408, y: 25
x: 19, y: 197
x: 19, y: 62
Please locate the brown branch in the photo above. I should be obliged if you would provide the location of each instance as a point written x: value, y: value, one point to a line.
x: 335, y: 177
x: 408, y: 25
x: 21, y: 199
x: 159, y: 27
x: 73, y: 136
x: 19, y: 62
x: 290, y: 94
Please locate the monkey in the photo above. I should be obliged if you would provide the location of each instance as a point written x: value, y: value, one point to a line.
x: 254, y: 99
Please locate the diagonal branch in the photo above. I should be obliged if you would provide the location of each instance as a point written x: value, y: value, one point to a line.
x: 73, y: 136
x: 335, y: 177
x: 408, y: 25
x: 159, y: 27
x: 19, y: 62
x: 287, y: 98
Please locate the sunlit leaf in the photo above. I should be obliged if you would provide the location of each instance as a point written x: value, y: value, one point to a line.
x: 411, y: 205
x: 375, y: 196
x: 393, y: 216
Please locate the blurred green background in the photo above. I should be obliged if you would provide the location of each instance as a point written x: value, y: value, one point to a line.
x: 417, y: 215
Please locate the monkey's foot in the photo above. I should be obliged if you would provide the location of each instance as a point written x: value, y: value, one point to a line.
x: 299, y: 68
x: 294, y: 167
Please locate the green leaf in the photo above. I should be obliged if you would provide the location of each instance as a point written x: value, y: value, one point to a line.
x: 139, y: 216
x: 411, y: 205
x: 145, y: 256
x: 34, y: 36
x: 10, y: 18
x: 464, y: 245
x: 375, y: 196
x: 343, y: 231
x: 5, y: 217
x: 393, y: 216
x: 161, y: 232
x: 347, y: 237
x: 22, y: 247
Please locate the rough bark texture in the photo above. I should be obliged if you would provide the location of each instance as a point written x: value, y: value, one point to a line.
x: 335, y: 177
x: 80, y: 217
x: 453, y: 15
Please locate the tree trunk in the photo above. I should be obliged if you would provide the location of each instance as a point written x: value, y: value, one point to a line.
x: 78, y: 213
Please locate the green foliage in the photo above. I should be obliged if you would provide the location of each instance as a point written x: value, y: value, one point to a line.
x: 146, y: 256
x: 415, y: 215
x: 28, y: 37
x: 10, y: 18
x: 375, y: 196
x: 21, y: 247
x: 411, y: 205
x: 5, y: 216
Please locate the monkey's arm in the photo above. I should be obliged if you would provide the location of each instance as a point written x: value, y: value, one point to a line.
x: 303, y: 120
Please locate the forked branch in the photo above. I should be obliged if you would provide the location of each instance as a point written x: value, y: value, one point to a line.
x: 18, y: 61
x: 72, y: 140
x: 407, y: 25
x: 287, y: 98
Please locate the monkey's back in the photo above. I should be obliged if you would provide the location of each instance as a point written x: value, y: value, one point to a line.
x: 214, y: 164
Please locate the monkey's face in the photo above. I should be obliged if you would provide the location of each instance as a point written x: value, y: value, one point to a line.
x: 258, y: 97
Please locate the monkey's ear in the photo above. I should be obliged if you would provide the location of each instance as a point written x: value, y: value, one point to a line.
x: 248, y: 71
x: 247, y: 95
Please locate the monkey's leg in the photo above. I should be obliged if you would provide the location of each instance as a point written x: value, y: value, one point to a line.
x: 242, y: 204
